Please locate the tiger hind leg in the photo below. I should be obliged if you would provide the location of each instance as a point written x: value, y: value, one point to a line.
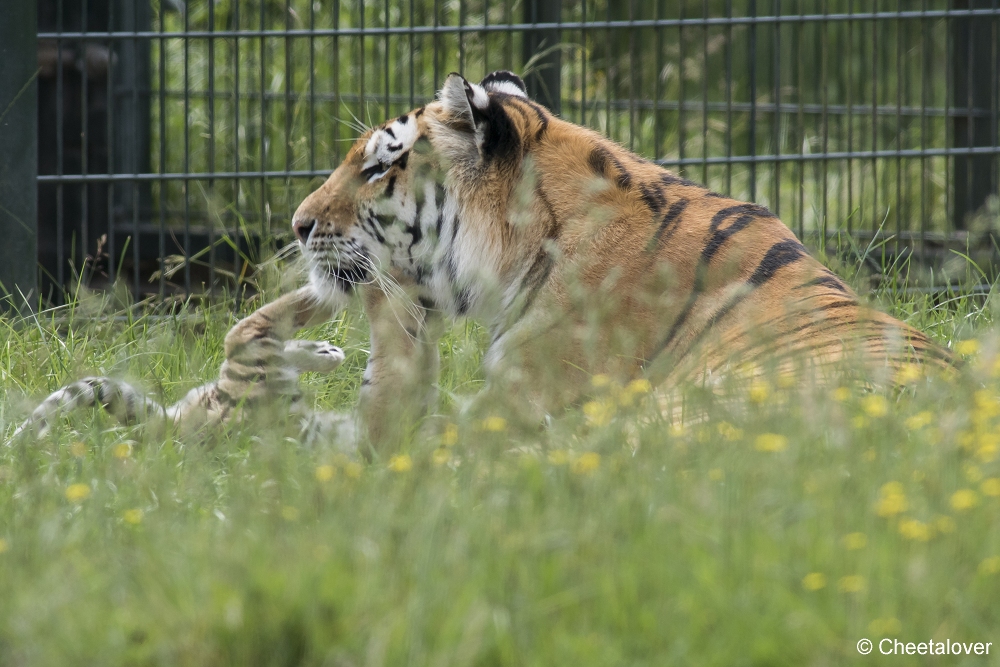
x: 123, y: 401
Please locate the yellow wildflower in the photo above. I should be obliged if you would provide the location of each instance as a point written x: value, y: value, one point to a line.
x: 122, y: 450
x: 677, y: 430
x: 990, y: 487
x: 875, y: 405
x: 841, y: 394
x: 78, y: 449
x: 289, y: 513
x: 891, y: 500
x: 401, y: 463
x: 716, y: 474
x: 599, y: 413
x: 814, y: 581
x: 987, y: 453
x: 909, y: 373
x: 972, y: 472
x: 990, y: 566
x: 600, y: 380
x: 945, y: 524
x: 852, y: 583
x: 885, y: 626
x: 964, y: 499
x: 325, y: 472
x: 132, y: 516
x: 967, y: 347
x: 3, y: 546
x: 855, y: 541
x: 440, y: 456
x: 919, y: 420
x: 495, y: 424
x: 586, y: 463
x: 353, y: 469
x: 859, y: 421
x: 639, y: 386
x: 558, y: 457
x: 77, y: 493
x: 450, y: 436
x: 729, y: 432
x: 770, y: 442
x: 759, y: 391
x: 912, y: 529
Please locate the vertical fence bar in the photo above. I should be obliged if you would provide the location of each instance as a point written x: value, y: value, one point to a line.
x: 752, y: 61
x: 162, y: 102
x: 543, y: 81
x: 971, y: 119
x: 60, y: 157
x: 19, y: 156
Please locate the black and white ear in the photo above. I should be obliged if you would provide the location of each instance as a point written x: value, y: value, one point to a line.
x: 504, y: 82
x: 463, y: 101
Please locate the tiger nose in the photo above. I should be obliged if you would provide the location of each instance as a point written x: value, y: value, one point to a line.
x: 303, y: 228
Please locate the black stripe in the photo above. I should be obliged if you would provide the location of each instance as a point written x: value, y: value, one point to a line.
x: 826, y: 280
x: 372, y: 171
x: 503, y: 76
x: 390, y: 186
x: 671, y: 179
x: 501, y: 140
x: 653, y: 197
x: 403, y: 120
x: 388, y: 130
x: 543, y: 117
x: 668, y: 225
x: 779, y: 255
x: 720, y: 236
x: 463, y: 299
x: 536, y: 276
x: 600, y: 158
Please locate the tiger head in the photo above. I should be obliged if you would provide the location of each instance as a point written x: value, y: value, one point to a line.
x: 396, y: 204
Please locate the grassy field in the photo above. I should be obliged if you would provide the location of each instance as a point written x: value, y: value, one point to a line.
x: 781, y: 530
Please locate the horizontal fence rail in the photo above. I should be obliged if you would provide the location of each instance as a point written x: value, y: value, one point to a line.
x: 177, y: 137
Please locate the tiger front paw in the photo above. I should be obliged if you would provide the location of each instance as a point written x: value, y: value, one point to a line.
x: 317, y: 356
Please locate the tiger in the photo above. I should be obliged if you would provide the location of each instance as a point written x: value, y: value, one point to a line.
x: 262, y: 365
x: 578, y: 257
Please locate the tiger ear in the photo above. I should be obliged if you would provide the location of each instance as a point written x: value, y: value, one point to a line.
x: 462, y: 101
x: 504, y: 82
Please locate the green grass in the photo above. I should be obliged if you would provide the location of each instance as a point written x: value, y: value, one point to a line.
x: 631, y: 542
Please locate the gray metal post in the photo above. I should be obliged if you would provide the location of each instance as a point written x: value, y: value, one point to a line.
x: 543, y: 81
x: 974, y: 118
x: 18, y: 155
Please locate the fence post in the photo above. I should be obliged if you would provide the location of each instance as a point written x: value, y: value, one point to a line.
x: 18, y: 155
x: 972, y: 70
x: 543, y: 81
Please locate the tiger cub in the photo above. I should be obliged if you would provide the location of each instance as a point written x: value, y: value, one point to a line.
x: 261, y: 366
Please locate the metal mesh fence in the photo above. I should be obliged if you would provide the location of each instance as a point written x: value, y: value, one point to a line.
x: 178, y: 137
